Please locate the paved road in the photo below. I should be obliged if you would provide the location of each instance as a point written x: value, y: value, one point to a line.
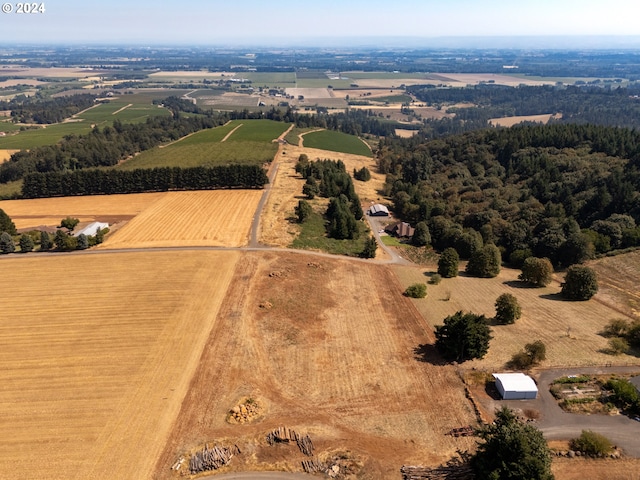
x: 556, y: 424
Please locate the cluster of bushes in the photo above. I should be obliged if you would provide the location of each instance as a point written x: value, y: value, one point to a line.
x: 624, y: 395
x: 622, y: 334
x: 95, y: 181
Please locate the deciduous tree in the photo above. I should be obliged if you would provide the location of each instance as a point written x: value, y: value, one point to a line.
x: 421, y: 236
x: 580, y: 283
x: 485, y: 263
x: 537, y: 271
x: 448, y: 263
x: 6, y: 224
x: 507, y: 309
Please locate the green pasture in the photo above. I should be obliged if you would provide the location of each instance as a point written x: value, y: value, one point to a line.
x: 8, y: 126
x: 391, y: 99
x: 11, y: 189
x: 336, y: 142
x: 49, y: 135
x: 381, y: 75
x: 251, y: 143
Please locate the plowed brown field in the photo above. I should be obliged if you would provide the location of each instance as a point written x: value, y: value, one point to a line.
x: 331, y: 354
x: 97, y: 352
x: 202, y: 218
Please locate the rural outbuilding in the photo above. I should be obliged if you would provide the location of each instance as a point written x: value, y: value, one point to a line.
x: 515, y: 386
x: 378, y: 210
x: 91, y: 229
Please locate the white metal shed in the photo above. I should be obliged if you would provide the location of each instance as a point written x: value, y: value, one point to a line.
x: 515, y: 386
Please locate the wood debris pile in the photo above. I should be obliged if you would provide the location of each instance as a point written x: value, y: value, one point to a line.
x: 212, y: 458
x: 455, y: 469
x: 286, y: 435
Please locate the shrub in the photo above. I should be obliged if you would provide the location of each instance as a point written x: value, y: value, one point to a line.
x: 592, y: 443
x: 618, y: 345
x: 417, y: 290
x: 618, y: 327
x: 435, y: 279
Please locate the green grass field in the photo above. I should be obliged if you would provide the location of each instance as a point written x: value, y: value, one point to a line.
x: 50, y: 135
x: 392, y: 99
x: 11, y: 189
x: 336, y: 142
x: 251, y: 143
x: 313, y: 236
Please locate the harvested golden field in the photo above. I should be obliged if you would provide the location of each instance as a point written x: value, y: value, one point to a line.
x: 570, y: 330
x: 6, y: 154
x: 286, y: 190
x: 619, y: 280
x: 200, y: 218
x: 49, y: 211
x: 592, y: 469
x: 97, y: 355
x: 511, y: 121
x: 326, y: 347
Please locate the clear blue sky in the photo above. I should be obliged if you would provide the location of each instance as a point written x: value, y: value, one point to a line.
x: 211, y: 22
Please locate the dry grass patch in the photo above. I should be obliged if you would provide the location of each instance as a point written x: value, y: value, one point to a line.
x: 49, y: 211
x: 511, y: 121
x: 596, y: 469
x: 202, y: 218
x: 97, y: 355
x: 333, y: 356
x: 286, y: 190
x: 570, y: 330
x: 618, y: 280
x: 5, y: 155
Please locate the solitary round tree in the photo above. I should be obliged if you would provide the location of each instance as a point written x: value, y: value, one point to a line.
x: 448, y: 263
x: 580, y: 283
x: 507, y: 309
x: 485, y: 263
x: 537, y: 271
x: 463, y: 336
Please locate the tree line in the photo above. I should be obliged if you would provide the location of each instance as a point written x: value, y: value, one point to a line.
x: 109, y: 181
x: 564, y: 192
x: 40, y: 110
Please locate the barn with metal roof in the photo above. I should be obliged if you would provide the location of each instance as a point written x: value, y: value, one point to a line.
x: 378, y: 210
x: 515, y: 386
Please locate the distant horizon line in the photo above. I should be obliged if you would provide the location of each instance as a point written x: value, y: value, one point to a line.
x: 599, y: 41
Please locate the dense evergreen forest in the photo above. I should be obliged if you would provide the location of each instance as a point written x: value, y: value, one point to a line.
x: 45, y: 111
x: 611, y: 105
x: 564, y: 192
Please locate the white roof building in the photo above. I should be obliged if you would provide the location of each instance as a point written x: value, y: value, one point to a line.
x: 378, y: 210
x: 91, y: 229
x: 515, y: 386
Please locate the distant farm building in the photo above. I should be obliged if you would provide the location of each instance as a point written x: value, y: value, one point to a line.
x: 91, y: 229
x: 378, y: 210
x: 400, y: 229
x: 515, y: 386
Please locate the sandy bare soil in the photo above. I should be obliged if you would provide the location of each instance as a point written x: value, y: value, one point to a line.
x: 570, y: 330
x: 97, y: 355
x: 49, y: 72
x: 327, y: 347
x: 200, y: 218
x: 309, y: 93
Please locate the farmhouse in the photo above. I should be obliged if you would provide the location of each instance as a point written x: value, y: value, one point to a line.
x: 378, y: 210
x: 91, y: 229
x: 400, y: 229
x: 515, y: 386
